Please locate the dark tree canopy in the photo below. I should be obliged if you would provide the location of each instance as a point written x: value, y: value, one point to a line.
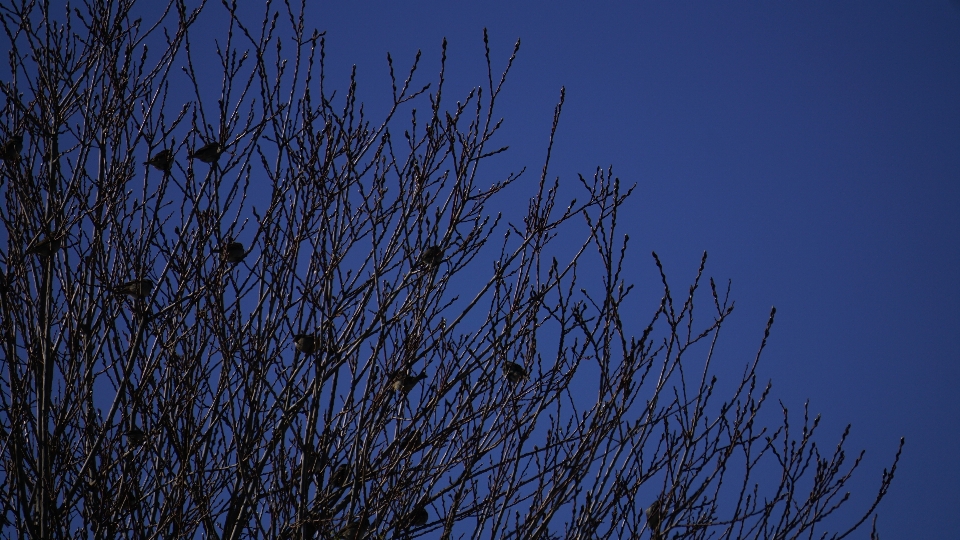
x: 233, y: 306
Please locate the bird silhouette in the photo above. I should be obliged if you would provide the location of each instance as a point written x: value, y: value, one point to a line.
x: 232, y: 252
x: 208, y: 153
x: 403, y: 382
x: 162, y: 160
x: 44, y: 247
x: 355, y: 530
x: 417, y: 517
x: 305, y: 343
x: 431, y: 257
x: 513, y: 371
x: 135, y: 436
x: 654, y: 515
x: 81, y: 333
x: 340, y: 476
x: 10, y: 151
x: 138, y: 288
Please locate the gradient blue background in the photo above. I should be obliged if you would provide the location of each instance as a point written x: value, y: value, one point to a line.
x: 812, y: 148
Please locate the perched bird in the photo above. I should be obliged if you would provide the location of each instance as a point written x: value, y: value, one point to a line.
x: 513, y: 371
x: 305, y: 343
x: 355, y: 530
x: 403, y: 381
x: 11, y: 148
x: 340, y: 476
x: 162, y: 160
x: 431, y: 257
x: 44, y: 247
x: 80, y: 334
x: 417, y: 517
x: 654, y: 518
x: 208, y: 153
x: 138, y: 288
x: 232, y: 252
x: 135, y: 436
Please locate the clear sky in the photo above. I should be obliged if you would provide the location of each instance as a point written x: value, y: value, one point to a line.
x: 812, y: 148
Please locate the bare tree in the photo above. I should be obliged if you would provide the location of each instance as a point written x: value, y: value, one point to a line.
x: 249, y: 311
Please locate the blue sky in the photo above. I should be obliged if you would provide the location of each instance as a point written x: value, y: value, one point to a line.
x: 812, y: 148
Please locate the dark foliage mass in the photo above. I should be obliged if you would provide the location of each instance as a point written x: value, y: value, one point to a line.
x: 232, y: 306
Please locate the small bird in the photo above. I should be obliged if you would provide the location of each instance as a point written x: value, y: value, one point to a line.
x: 45, y: 247
x: 355, y: 530
x: 431, y: 257
x: 135, y: 436
x: 403, y: 381
x: 305, y: 343
x: 11, y: 148
x: 208, y: 153
x: 162, y: 160
x: 80, y: 335
x: 654, y: 518
x: 340, y: 476
x: 513, y: 371
x: 232, y: 252
x: 417, y: 517
x: 137, y: 288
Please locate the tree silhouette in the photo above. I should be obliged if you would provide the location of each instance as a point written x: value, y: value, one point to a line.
x: 249, y: 311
